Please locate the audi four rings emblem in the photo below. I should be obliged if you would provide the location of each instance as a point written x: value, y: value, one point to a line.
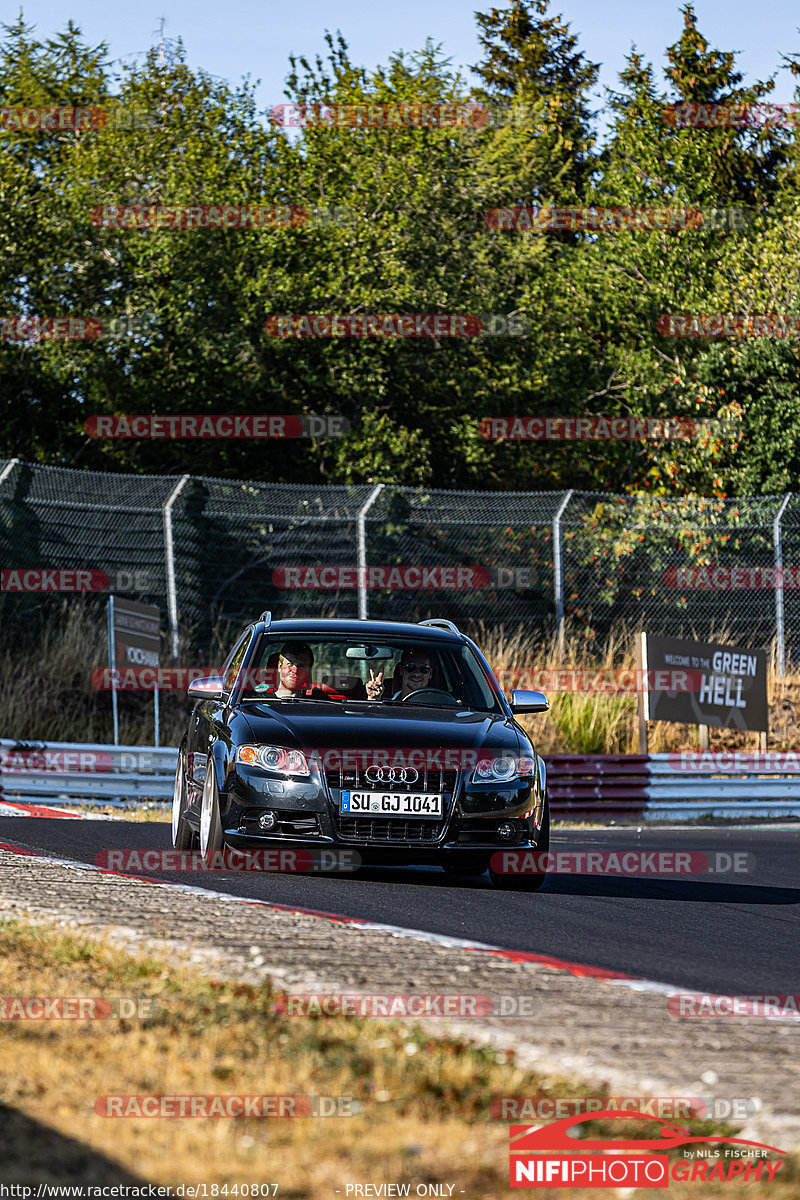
x: 392, y: 774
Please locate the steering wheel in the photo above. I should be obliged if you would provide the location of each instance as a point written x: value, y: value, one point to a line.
x: 433, y: 696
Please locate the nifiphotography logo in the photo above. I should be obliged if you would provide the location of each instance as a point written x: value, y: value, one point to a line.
x: 553, y: 1156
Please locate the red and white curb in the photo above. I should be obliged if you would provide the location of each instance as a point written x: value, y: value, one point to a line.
x: 579, y: 970
x: 549, y: 962
x: 9, y: 808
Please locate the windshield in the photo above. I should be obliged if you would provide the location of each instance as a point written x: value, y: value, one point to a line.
x: 396, y: 671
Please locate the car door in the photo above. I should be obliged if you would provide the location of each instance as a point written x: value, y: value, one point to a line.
x: 209, y: 721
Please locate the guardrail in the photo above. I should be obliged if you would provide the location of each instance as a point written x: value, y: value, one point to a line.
x: 659, y: 787
x: 653, y: 787
x: 580, y: 785
x: 768, y: 785
x: 65, y: 773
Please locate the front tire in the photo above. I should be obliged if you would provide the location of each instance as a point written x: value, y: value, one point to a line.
x: 532, y: 882
x: 211, y: 839
x: 183, y: 836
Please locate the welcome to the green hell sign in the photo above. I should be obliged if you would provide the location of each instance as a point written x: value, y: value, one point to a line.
x: 731, y: 689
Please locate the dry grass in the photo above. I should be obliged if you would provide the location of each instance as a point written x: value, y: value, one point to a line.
x: 424, y: 1101
x: 47, y: 694
x: 599, y: 724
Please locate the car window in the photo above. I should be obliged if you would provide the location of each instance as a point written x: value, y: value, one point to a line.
x: 231, y: 668
x: 337, y: 676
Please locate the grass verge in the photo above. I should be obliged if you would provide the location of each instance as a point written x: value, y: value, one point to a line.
x: 423, y: 1101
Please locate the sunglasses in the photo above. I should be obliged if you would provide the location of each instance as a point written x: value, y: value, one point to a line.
x: 417, y: 668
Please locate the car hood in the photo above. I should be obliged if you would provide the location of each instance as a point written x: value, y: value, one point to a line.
x: 330, y: 726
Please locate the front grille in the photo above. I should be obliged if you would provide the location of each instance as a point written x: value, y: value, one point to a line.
x: 354, y: 778
x: 389, y: 829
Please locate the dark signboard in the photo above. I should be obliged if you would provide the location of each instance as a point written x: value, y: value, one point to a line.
x: 134, y: 633
x: 729, y: 689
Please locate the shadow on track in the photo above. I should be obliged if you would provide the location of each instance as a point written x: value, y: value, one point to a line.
x: 697, y: 891
x: 30, y: 1150
x: 686, y: 890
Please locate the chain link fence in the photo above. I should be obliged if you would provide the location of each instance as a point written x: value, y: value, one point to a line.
x: 210, y: 551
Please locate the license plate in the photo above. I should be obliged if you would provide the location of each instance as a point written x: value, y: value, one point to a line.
x: 392, y: 804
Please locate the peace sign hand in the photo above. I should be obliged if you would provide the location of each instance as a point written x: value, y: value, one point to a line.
x: 375, y: 685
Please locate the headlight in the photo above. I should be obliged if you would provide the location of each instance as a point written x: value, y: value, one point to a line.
x: 502, y: 769
x: 274, y: 758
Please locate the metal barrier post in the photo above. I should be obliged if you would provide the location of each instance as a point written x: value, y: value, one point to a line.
x: 558, y: 574
x: 112, y: 666
x: 361, y: 527
x: 169, y: 556
x: 8, y: 468
x: 780, y: 647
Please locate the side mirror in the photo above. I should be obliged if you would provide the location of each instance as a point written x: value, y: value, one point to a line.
x: 529, y: 702
x: 207, y: 688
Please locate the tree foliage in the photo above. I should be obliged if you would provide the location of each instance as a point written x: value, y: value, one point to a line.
x: 416, y: 241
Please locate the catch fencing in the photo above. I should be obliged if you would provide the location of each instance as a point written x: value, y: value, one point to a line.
x: 210, y: 551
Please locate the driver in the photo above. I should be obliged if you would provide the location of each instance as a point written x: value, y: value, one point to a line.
x: 294, y: 671
x: 294, y: 675
x: 413, y: 673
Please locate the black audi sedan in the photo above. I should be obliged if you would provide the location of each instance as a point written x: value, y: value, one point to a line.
x: 392, y: 739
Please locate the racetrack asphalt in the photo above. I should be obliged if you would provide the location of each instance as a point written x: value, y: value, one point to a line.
x: 724, y: 933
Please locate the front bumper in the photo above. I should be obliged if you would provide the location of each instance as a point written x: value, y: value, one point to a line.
x: 307, y: 813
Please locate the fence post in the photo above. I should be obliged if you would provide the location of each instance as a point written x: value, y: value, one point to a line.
x: 169, y: 559
x: 361, y: 526
x: 8, y: 468
x: 779, y: 623
x: 558, y: 574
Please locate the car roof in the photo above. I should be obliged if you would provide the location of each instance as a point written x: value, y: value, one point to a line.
x: 295, y: 626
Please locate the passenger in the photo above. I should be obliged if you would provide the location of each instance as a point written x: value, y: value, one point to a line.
x: 413, y: 673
